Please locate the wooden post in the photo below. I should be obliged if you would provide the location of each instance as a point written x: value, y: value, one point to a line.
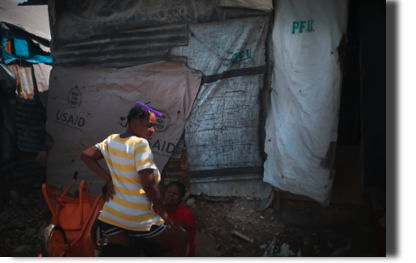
x: 276, y: 201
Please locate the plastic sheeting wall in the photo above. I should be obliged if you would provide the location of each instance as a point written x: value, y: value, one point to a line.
x: 87, y: 104
x: 223, y: 131
x: 302, y: 120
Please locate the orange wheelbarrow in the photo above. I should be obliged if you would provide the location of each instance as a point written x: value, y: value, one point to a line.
x: 69, y: 231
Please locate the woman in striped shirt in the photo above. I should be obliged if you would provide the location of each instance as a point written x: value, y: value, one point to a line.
x: 132, y: 186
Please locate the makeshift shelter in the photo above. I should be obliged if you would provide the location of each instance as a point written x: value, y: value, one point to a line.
x: 25, y: 66
x: 266, y: 109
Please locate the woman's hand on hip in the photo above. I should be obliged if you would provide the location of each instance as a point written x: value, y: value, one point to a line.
x: 109, y: 195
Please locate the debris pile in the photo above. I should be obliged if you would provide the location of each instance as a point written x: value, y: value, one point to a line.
x: 22, y: 223
x: 298, y: 229
x: 226, y: 226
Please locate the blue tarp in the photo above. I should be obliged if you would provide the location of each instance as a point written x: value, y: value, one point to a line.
x: 24, y: 47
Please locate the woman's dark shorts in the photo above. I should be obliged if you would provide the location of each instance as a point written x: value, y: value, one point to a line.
x: 109, y: 230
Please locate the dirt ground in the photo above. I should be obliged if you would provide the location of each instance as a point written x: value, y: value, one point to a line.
x: 303, y: 228
x: 337, y: 230
x: 22, y: 223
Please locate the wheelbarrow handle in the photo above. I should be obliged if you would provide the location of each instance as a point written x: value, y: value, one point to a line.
x: 74, y: 179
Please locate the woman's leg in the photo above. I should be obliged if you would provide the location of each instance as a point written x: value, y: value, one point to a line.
x: 178, y: 239
x: 121, y: 238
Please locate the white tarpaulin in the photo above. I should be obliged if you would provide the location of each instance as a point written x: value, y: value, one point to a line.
x: 222, y: 134
x: 86, y: 105
x: 32, y: 19
x: 42, y: 73
x: 262, y: 5
x: 303, y: 118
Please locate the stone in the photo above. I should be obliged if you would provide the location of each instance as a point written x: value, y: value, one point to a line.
x: 25, y: 189
x: 17, y: 225
x: 14, y: 196
x: 41, y: 158
x: 190, y: 201
x: 187, y: 195
x: 249, y: 198
x: 25, y: 201
x: 261, y: 217
x: 23, y: 251
x: 4, y: 215
x: 41, y: 232
x: 263, y: 246
x: 30, y: 232
x: 236, y: 247
x: 269, y: 211
x: 45, y: 207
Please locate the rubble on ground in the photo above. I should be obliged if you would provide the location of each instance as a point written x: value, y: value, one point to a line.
x: 22, y: 223
x: 306, y: 229
x: 231, y: 225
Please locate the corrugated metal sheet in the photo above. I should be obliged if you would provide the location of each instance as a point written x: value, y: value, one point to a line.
x: 30, y: 125
x: 75, y: 21
x: 34, y: 2
x: 130, y: 48
x: 7, y: 122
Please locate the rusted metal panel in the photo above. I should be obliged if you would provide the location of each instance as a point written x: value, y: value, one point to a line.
x: 10, y: 46
x: 24, y: 78
x: 130, y: 48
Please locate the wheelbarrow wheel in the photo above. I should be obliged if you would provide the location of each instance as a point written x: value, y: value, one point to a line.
x: 54, y: 240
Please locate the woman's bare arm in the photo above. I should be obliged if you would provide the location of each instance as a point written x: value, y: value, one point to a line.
x: 90, y: 157
x: 147, y: 180
x: 185, y: 226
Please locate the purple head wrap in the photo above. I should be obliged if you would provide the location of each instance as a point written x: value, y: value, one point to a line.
x: 158, y: 114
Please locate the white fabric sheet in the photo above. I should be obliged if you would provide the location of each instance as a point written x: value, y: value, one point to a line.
x: 303, y: 118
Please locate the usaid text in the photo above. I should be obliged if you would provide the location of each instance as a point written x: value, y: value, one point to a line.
x: 70, y: 119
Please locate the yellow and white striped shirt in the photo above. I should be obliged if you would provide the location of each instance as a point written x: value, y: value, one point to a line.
x: 130, y: 209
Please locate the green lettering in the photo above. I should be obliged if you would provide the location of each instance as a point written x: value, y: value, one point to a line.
x: 241, y: 55
x: 235, y: 57
x: 302, y: 25
x: 295, y: 26
x: 310, y: 25
x: 248, y: 53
